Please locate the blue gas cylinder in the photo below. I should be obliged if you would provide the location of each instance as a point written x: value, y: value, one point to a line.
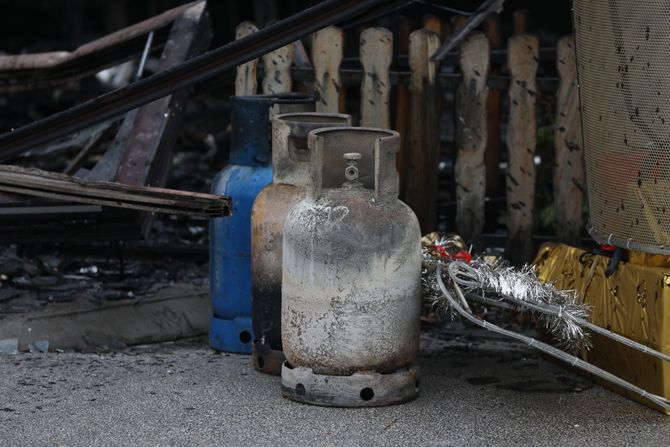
x: 248, y: 172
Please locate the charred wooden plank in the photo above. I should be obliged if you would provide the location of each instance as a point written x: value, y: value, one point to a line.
x: 521, y: 142
x: 29, y: 71
x: 105, y: 169
x: 423, y: 142
x: 376, y: 55
x: 401, y: 119
x: 569, y: 176
x: 471, y: 137
x: 142, y: 150
x: 327, y: 52
x: 53, y: 185
x: 148, y: 153
x: 277, y: 71
x: 492, y: 30
x: 246, y: 77
x: 88, y: 149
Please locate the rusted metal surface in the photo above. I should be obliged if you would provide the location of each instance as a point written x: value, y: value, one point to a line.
x: 351, y: 263
x: 53, y: 185
x: 361, y: 389
x: 29, y: 71
x: 290, y: 170
x: 266, y: 359
x: 140, y: 155
x: 267, y: 223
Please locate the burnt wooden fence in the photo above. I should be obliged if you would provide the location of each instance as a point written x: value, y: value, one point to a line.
x: 417, y: 96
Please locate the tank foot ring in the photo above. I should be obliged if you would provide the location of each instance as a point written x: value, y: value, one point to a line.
x: 234, y: 336
x: 361, y: 389
x: 267, y: 360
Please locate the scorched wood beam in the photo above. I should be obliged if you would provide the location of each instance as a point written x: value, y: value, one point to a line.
x: 140, y: 155
x: 51, y: 185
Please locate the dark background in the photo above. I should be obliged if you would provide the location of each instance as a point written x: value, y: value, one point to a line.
x: 48, y: 25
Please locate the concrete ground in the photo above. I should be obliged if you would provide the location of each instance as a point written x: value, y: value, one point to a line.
x: 476, y: 390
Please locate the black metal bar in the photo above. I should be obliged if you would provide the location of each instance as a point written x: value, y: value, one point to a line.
x: 486, y: 8
x: 211, y: 64
x: 377, y: 13
x: 498, y: 56
x: 41, y: 70
x: 350, y: 76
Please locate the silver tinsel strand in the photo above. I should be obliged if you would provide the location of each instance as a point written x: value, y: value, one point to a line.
x: 505, y: 286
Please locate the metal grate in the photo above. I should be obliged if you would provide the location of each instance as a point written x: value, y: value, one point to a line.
x: 623, y: 64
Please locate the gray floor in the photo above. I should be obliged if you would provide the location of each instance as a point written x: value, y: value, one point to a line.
x: 476, y: 391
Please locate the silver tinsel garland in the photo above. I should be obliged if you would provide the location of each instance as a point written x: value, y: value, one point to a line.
x: 500, y: 284
x: 451, y: 278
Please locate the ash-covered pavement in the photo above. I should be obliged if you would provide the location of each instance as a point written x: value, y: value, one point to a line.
x: 476, y: 390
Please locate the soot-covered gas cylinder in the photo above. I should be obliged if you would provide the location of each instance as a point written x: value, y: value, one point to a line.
x: 351, y: 276
x: 290, y: 174
x: 230, y: 238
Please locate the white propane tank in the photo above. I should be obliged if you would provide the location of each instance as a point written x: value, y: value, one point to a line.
x: 351, y: 276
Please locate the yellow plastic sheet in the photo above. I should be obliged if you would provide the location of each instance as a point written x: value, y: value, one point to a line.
x: 633, y: 302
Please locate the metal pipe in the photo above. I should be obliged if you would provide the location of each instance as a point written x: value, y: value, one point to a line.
x: 353, y: 76
x: 484, y: 10
x: 466, y: 276
x: 540, y: 346
x: 145, y: 56
x: 558, y: 311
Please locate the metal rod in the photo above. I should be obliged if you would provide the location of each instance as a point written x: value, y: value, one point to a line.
x: 378, y: 13
x: 353, y: 76
x: 543, y: 347
x: 145, y: 56
x: 211, y: 64
x: 486, y: 8
x: 555, y: 310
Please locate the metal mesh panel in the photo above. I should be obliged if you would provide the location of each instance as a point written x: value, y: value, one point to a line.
x: 623, y: 64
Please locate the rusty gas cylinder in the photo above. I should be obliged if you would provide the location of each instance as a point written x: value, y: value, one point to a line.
x: 351, y: 276
x: 290, y: 174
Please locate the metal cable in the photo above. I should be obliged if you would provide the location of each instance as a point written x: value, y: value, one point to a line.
x: 540, y: 346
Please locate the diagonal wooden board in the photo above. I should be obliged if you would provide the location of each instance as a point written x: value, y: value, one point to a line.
x: 53, y: 185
